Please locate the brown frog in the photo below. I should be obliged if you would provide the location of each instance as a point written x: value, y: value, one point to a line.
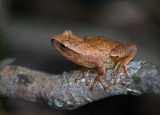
x: 96, y: 52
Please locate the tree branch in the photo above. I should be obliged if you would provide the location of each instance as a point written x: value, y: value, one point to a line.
x: 62, y: 92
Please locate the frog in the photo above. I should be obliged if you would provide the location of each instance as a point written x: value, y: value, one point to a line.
x: 95, y: 52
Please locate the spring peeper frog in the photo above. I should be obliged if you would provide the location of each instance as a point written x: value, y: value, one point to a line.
x: 96, y: 52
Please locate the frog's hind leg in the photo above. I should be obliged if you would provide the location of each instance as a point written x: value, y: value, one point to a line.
x: 120, y: 69
x: 115, y: 68
x: 129, y: 58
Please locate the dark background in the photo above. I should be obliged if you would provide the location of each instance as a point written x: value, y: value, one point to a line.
x: 26, y: 27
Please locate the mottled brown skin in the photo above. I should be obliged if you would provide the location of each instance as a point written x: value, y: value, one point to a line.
x: 100, y: 53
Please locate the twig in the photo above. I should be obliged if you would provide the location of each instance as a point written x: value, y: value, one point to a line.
x: 62, y: 92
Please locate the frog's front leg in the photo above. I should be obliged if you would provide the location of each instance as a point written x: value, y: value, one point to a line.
x: 83, y: 72
x: 99, y: 77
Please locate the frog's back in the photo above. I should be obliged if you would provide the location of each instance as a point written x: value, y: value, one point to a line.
x: 97, y: 46
x: 100, y: 40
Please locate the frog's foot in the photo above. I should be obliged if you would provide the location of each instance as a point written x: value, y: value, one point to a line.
x: 77, y: 78
x: 91, y: 88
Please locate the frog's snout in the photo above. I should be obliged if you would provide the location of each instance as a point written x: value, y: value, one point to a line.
x: 53, y: 40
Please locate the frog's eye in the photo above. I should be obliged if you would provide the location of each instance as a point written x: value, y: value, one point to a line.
x: 62, y: 46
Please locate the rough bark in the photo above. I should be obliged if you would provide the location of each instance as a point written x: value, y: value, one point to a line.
x: 62, y: 92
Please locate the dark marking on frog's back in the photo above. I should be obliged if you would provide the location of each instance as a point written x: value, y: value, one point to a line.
x: 77, y: 44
